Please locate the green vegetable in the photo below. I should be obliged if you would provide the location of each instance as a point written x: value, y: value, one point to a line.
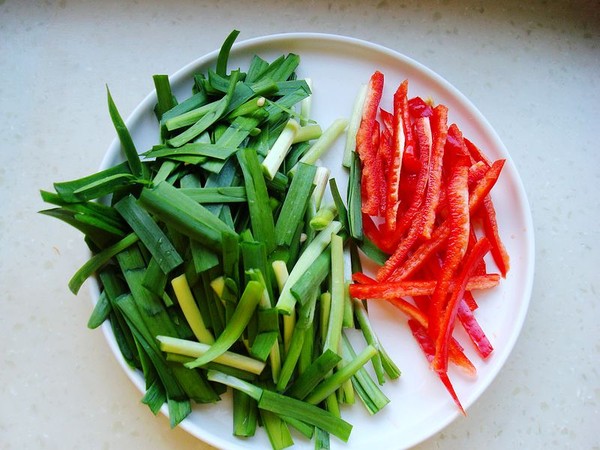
x: 220, y: 256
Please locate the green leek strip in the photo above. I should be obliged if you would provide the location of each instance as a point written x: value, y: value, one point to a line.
x: 190, y: 309
x: 312, y: 277
x: 323, y: 217
x: 311, y: 414
x: 155, y: 396
x: 306, y: 105
x: 99, y: 260
x: 190, y: 117
x: 236, y: 325
x: 223, y: 56
x: 305, y: 317
x: 289, y: 320
x: 164, y: 95
x: 369, y: 393
x: 184, y: 214
x: 133, y: 159
x: 101, y: 311
x: 353, y: 125
x: 126, y: 305
x: 333, y: 382
x: 248, y: 388
x: 325, y: 141
x: 355, y: 199
x: 245, y: 414
x: 209, y: 118
x: 149, y: 233
x: 336, y: 314
x: 231, y: 194
x: 314, y: 374
x: 197, y: 349
x: 195, y: 101
x: 277, y: 430
x: 339, y: 204
x: 320, y: 182
x: 286, y: 300
x: 66, y: 189
x: 206, y: 149
x: 308, y: 133
x: 370, y: 337
x: 261, y: 218
x: 280, y: 148
x: 165, y: 170
x: 294, y: 205
x: 282, y: 68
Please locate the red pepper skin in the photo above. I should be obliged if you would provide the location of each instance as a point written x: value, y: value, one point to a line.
x: 401, y: 138
x: 476, y: 153
x: 439, y: 130
x: 365, y: 148
x: 458, y: 241
x: 490, y: 226
x: 444, y: 333
x: 374, y: 290
x: 423, y: 135
x: 474, y: 331
x: 418, y: 108
x: 424, y: 341
x: 361, y: 278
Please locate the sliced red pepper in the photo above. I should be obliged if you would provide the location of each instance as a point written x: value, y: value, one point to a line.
x: 364, y: 145
x: 400, y: 128
x: 476, y: 153
x: 446, y: 324
x: 441, y: 233
x: 410, y: 163
x: 490, y: 226
x: 419, y: 108
x: 360, y: 277
x: 374, y: 290
x: 375, y: 235
x: 439, y: 131
x: 456, y: 354
x: 458, y: 239
x: 423, y: 135
x: 424, y: 341
x: 474, y: 331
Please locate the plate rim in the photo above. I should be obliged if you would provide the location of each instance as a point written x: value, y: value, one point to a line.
x: 277, y: 39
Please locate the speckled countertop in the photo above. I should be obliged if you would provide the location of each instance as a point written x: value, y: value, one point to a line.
x: 530, y: 67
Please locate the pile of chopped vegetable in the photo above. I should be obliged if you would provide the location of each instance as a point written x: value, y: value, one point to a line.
x: 422, y: 197
x: 220, y: 263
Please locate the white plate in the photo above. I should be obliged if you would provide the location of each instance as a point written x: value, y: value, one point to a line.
x: 419, y: 406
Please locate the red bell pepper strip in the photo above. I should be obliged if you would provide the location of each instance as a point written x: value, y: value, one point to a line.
x: 474, y: 331
x: 490, y: 227
x: 364, y: 144
x: 374, y: 290
x: 410, y: 163
x: 419, y: 108
x: 476, y: 153
x: 401, y: 128
x: 458, y: 240
x: 439, y: 130
x: 423, y: 134
x: 361, y: 278
x: 448, y: 318
x: 441, y: 233
x: 424, y: 341
x: 456, y: 354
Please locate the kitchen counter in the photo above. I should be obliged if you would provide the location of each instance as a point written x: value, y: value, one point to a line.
x: 531, y: 68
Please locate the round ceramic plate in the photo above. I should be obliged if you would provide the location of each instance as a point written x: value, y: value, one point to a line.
x: 419, y: 405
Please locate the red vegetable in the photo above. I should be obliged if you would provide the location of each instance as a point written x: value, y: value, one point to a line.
x: 427, y: 204
x: 367, y: 152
